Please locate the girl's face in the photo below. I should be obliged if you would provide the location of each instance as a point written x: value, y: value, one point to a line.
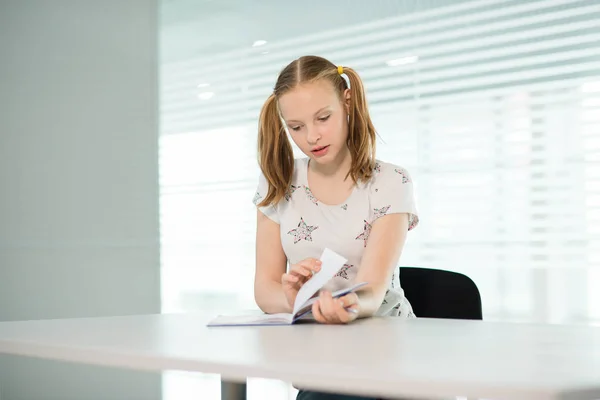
x: 317, y: 120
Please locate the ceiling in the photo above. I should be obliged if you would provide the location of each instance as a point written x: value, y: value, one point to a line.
x: 192, y: 28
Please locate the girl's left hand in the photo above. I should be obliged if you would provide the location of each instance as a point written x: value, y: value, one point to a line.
x: 342, y: 310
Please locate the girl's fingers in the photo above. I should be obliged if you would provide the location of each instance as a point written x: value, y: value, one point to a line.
x: 312, y: 263
x: 334, y: 311
x: 292, y: 281
x: 346, y: 314
x: 349, y: 299
x: 300, y: 270
x: 291, y: 277
x: 304, y: 270
x: 287, y: 278
x: 317, y: 313
x: 329, y: 307
x: 307, y: 267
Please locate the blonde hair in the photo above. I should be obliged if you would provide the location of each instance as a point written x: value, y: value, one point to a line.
x: 275, y: 155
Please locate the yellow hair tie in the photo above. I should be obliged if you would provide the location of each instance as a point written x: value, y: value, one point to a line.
x: 340, y: 69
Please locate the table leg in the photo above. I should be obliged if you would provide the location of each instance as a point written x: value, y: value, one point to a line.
x: 233, y: 390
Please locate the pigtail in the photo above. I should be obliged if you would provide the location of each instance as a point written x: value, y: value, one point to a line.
x: 275, y: 155
x: 361, y: 133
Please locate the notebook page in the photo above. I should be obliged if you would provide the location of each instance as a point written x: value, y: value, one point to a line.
x: 261, y: 319
x: 331, y: 262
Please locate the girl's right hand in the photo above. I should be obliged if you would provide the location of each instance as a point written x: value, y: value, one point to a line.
x: 297, y: 276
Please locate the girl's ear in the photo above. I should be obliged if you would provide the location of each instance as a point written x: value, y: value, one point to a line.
x: 347, y: 100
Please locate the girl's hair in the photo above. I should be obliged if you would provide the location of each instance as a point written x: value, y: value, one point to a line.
x: 275, y: 155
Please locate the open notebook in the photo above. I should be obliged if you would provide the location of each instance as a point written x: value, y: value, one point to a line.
x: 331, y: 263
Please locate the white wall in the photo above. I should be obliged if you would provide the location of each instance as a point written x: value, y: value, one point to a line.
x: 78, y: 180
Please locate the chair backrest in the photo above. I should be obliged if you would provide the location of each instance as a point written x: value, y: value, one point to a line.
x: 435, y: 293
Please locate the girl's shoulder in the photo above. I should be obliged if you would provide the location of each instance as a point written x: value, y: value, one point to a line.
x: 389, y: 173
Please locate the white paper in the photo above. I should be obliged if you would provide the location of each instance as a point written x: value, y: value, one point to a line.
x: 331, y: 263
x: 263, y: 319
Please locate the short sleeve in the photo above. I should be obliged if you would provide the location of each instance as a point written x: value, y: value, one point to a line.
x: 392, y: 192
x: 261, y: 191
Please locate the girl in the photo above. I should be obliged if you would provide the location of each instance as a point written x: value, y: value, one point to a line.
x: 339, y: 197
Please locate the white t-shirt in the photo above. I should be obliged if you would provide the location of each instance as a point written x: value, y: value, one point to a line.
x: 308, y: 226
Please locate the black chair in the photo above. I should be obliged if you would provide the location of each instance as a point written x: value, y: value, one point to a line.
x: 435, y: 293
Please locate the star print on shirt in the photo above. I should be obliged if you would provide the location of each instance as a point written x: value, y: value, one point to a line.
x: 345, y: 207
x: 365, y: 233
x: 303, y: 231
x: 310, y: 196
x: 404, y: 174
x: 343, y: 272
x: 256, y: 198
x: 380, y: 212
x: 377, y: 168
x: 290, y: 192
x: 413, y: 222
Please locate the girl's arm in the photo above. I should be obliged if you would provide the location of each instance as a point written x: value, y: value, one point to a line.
x: 270, y: 266
x: 380, y: 259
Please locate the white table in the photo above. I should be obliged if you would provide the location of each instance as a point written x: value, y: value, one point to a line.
x: 378, y: 357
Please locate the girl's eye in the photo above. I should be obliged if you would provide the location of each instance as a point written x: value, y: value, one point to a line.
x: 324, y: 118
x: 295, y: 128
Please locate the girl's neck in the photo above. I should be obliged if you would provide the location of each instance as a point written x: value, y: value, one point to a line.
x: 339, y: 167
